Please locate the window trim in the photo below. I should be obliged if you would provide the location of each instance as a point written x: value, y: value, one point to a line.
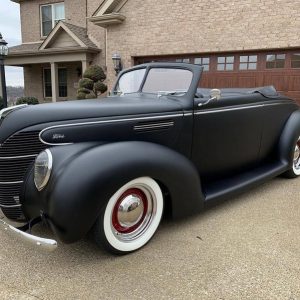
x: 226, y: 56
x: 248, y: 62
x: 204, y: 64
x: 275, y: 54
x: 52, y: 16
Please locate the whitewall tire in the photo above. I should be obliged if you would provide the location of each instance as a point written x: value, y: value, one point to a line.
x: 295, y: 170
x: 131, y: 216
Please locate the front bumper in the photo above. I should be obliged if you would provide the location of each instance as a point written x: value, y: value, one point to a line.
x: 42, y: 243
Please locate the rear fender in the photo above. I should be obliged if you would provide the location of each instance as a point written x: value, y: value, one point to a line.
x: 288, y: 139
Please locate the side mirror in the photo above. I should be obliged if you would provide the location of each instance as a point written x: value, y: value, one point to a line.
x: 215, y: 94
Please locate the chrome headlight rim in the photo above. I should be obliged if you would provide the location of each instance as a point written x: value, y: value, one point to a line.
x: 41, y: 186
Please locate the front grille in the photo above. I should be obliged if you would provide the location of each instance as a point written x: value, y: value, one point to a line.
x: 17, y: 154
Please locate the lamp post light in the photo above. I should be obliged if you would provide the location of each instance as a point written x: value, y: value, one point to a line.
x: 116, y: 58
x: 3, y: 54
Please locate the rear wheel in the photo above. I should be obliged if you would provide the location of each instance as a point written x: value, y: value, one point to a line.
x: 295, y: 170
x: 131, y: 217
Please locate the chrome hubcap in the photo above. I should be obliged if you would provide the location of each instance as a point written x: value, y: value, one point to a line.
x: 132, y: 213
x: 130, y: 210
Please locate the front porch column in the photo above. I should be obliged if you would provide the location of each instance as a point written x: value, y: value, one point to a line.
x: 54, y: 81
x: 84, y: 66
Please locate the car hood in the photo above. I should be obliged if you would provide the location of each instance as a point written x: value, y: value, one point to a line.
x: 86, y: 109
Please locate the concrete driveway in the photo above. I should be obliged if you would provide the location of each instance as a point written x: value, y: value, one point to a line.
x: 247, y: 248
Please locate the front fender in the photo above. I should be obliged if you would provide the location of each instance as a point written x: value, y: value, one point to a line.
x: 80, y: 189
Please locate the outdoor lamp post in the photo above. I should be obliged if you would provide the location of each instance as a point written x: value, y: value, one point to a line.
x: 3, y: 54
x: 116, y: 58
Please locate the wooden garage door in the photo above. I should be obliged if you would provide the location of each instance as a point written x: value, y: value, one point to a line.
x: 252, y: 69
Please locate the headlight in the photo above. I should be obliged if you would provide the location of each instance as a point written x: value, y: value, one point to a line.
x: 42, y: 169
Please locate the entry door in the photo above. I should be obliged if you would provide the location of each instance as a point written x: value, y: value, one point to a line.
x: 226, y: 138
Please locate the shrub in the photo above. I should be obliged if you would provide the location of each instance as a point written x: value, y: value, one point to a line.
x: 91, y: 85
x: 95, y: 73
x: 27, y: 100
x: 86, y: 83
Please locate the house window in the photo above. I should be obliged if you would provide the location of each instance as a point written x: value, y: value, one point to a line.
x: 203, y: 61
x: 295, y: 60
x: 275, y: 61
x: 248, y: 62
x: 50, y: 15
x: 225, y: 63
x: 62, y: 83
x: 183, y: 60
x: 47, y: 83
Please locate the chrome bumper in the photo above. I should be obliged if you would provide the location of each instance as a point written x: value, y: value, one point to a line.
x: 44, y: 244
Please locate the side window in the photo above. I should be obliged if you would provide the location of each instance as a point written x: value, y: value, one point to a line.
x: 225, y: 63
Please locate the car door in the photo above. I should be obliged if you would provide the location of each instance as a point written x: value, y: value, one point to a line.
x: 226, y: 136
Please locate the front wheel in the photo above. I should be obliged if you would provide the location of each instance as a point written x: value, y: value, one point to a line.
x: 295, y: 170
x: 131, y: 217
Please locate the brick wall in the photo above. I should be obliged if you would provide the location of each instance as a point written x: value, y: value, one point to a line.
x: 194, y: 26
x: 96, y: 33
x: 75, y: 11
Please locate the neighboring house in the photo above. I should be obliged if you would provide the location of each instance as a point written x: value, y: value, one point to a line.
x: 240, y: 43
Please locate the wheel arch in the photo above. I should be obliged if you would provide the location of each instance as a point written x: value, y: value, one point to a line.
x: 87, y: 183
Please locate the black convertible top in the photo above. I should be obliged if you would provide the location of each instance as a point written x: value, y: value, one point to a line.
x: 266, y: 91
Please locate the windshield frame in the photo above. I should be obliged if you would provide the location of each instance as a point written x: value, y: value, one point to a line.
x: 195, y: 69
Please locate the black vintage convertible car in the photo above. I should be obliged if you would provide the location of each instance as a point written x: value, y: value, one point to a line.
x: 111, y: 166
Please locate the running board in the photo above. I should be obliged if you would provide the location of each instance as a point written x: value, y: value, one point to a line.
x: 227, y: 188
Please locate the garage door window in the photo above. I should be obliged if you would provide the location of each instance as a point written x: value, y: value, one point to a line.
x: 248, y: 62
x: 203, y: 61
x: 296, y: 60
x: 225, y: 63
x: 275, y: 61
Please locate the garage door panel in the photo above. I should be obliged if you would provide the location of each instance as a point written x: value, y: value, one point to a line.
x: 277, y: 80
x: 293, y: 83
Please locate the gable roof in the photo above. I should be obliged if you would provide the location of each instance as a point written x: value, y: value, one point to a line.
x: 75, y: 33
x: 108, y: 13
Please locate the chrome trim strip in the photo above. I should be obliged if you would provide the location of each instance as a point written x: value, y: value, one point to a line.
x: 16, y: 157
x: 232, y: 108
x: 216, y: 110
x: 153, y: 126
x: 11, y: 182
x: 10, y: 206
x: 101, y: 122
x: 42, y: 243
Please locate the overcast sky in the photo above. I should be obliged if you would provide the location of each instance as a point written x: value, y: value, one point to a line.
x: 10, y: 28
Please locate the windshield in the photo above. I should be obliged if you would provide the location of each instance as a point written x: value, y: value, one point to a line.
x: 131, y: 82
x: 168, y: 80
x: 161, y: 81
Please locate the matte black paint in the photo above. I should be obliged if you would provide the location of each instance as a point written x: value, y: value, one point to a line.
x: 232, y: 145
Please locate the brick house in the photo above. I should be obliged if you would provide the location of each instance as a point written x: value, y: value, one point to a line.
x: 240, y: 43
